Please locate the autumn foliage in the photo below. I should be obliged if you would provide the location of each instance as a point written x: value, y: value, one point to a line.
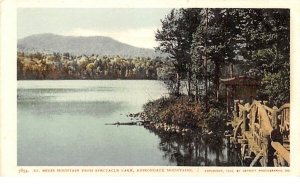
x: 175, y: 111
x: 40, y: 66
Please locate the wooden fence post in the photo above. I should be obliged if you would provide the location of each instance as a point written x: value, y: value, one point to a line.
x: 275, y: 117
x: 244, y: 125
x: 236, y: 108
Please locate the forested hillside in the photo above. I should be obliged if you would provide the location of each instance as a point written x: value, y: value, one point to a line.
x: 39, y: 66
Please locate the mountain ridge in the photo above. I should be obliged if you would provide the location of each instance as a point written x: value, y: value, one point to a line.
x: 81, y: 45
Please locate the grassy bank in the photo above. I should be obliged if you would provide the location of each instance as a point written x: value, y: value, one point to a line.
x: 182, y: 115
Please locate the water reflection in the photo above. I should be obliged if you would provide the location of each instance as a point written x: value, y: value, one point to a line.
x: 98, y: 108
x: 63, y: 123
x: 195, y: 149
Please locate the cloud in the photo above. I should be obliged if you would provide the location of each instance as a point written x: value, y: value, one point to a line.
x: 141, y: 37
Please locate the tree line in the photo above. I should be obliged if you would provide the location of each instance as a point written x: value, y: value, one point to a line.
x: 65, y: 66
x: 206, y: 44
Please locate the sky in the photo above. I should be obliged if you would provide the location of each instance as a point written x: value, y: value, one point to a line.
x: 132, y: 26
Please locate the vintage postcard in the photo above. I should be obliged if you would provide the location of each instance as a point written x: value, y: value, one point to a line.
x: 157, y: 88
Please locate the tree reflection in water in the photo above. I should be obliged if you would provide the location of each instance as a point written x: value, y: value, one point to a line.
x: 196, y: 150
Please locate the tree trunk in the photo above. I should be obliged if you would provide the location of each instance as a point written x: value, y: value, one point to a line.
x: 205, y: 62
x: 216, y: 80
x: 177, y: 92
x: 197, y: 92
x: 231, y: 70
x: 189, y: 83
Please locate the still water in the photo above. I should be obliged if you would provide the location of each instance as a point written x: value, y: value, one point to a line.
x: 63, y: 123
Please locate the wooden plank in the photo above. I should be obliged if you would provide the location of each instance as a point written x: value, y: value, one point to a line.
x: 281, y: 151
x: 268, y: 109
x: 252, y: 144
x: 286, y: 144
x: 257, y: 158
x: 242, y: 141
x: 286, y: 105
x: 266, y: 125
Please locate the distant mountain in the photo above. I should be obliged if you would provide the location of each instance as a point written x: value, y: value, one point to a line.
x: 100, y: 45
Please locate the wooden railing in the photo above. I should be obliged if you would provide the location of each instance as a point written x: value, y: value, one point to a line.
x: 262, y: 133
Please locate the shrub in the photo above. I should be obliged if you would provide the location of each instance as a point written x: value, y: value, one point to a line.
x: 175, y: 111
x: 182, y: 114
x: 215, y: 119
x: 153, y: 109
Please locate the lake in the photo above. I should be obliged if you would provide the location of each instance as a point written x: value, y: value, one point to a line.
x: 64, y: 123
